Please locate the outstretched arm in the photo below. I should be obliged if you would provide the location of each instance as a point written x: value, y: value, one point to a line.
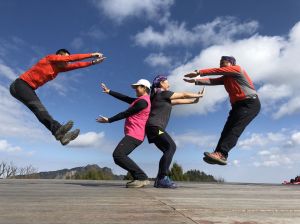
x: 117, y: 95
x: 190, y: 100
x: 73, y: 57
x: 185, y: 95
x: 207, y: 81
x: 137, y: 107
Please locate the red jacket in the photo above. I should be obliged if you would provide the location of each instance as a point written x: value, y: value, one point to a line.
x: 235, y: 80
x: 47, y: 68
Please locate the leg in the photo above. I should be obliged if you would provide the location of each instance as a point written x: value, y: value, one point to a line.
x: 239, y: 117
x: 24, y: 93
x: 166, y: 144
x: 120, y: 155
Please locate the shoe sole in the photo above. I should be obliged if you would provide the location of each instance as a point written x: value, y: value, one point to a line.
x: 70, y: 136
x: 211, y: 160
x: 63, y: 130
x: 137, y: 186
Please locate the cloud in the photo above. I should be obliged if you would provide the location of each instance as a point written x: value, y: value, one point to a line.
x: 296, y: 138
x: 90, y: 140
x: 119, y: 10
x: 15, y: 119
x: 6, y: 147
x: 220, y: 30
x: 159, y: 59
x: 93, y: 33
x: 194, y: 138
x: 271, y: 62
x: 7, y: 72
x: 77, y: 43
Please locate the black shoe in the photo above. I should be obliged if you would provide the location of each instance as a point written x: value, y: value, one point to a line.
x: 69, y: 137
x: 59, y: 134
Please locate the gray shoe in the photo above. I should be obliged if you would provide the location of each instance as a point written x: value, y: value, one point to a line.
x: 137, y: 183
x: 59, y: 134
x: 69, y: 137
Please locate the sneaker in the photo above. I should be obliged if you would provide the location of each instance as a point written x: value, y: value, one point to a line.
x: 165, y: 182
x: 69, y: 137
x: 216, y: 158
x: 59, y: 134
x: 208, y: 160
x: 137, y: 183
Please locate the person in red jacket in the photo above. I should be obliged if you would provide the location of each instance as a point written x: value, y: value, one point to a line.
x: 23, y: 88
x: 243, y: 98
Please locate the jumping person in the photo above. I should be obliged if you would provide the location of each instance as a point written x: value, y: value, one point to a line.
x: 162, y: 100
x: 136, y: 117
x: 23, y: 88
x: 243, y: 98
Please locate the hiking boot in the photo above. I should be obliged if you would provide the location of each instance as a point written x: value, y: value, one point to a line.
x: 59, y: 134
x: 165, y: 182
x: 216, y: 158
x: 208, y: 160
x: 69, y: 137
x: 137, y: 183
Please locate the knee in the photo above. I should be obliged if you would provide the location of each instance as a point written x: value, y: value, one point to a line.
x: 118, y: 156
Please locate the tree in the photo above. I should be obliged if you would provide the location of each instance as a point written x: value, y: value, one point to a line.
x: 128, y: 176
x: 176, y: 173
x: 196, y: 175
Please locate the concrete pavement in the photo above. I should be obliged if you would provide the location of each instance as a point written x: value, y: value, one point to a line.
x: 109, y: 202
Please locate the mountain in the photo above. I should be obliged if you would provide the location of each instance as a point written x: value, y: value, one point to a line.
x: 91, y: 172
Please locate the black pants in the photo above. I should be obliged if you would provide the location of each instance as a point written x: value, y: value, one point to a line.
x: 120, y: 155
x: 165, y: 143
x: 24, y: 93
x: 241, y: 114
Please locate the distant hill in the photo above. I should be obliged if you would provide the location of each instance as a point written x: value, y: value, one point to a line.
x: 90, y: 172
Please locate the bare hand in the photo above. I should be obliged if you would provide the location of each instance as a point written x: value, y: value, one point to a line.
x: 202, y: 92
x: 102, y: 119
x: 105, y: 89
x: 97, y: 55
x: 190, y: 80
x: 191, y: 75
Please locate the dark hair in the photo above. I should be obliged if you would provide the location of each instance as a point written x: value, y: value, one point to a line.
x: 231, y: 59
x: 156, y: 84
x: 61, y: 51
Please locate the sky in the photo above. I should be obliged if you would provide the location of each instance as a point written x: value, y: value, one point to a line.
x: 140, y: 40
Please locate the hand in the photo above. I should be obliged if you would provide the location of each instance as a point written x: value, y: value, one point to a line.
x: 97, y: 55
x: 190, y: 80
x: 101, y: 119
x: 98, y: 60
x: 191, y: 74
x: 202, y: 92
x: 105, y: 89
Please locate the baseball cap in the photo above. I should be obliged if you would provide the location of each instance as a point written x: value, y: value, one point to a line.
x: 142, y: 82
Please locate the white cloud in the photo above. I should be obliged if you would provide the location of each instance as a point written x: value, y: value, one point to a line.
x: 271, y: 62
x: 296, y: 138
x: 254, y: 140
x: 159, y: 59
x: 7, y: 71
x: 220, y: 30
x: 89, y: 140
x: 15, y: 119
x: 6, y: 147
x: 77, y: 43
x: 119, y: 10
x: 264, y: 153
x: 194, y: 138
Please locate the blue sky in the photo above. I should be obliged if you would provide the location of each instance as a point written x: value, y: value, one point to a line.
x: 140, y: 40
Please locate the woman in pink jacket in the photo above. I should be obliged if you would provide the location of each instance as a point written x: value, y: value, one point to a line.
x: 136, y: 117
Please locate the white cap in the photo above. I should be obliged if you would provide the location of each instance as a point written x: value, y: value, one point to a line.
x: 142, y: 82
